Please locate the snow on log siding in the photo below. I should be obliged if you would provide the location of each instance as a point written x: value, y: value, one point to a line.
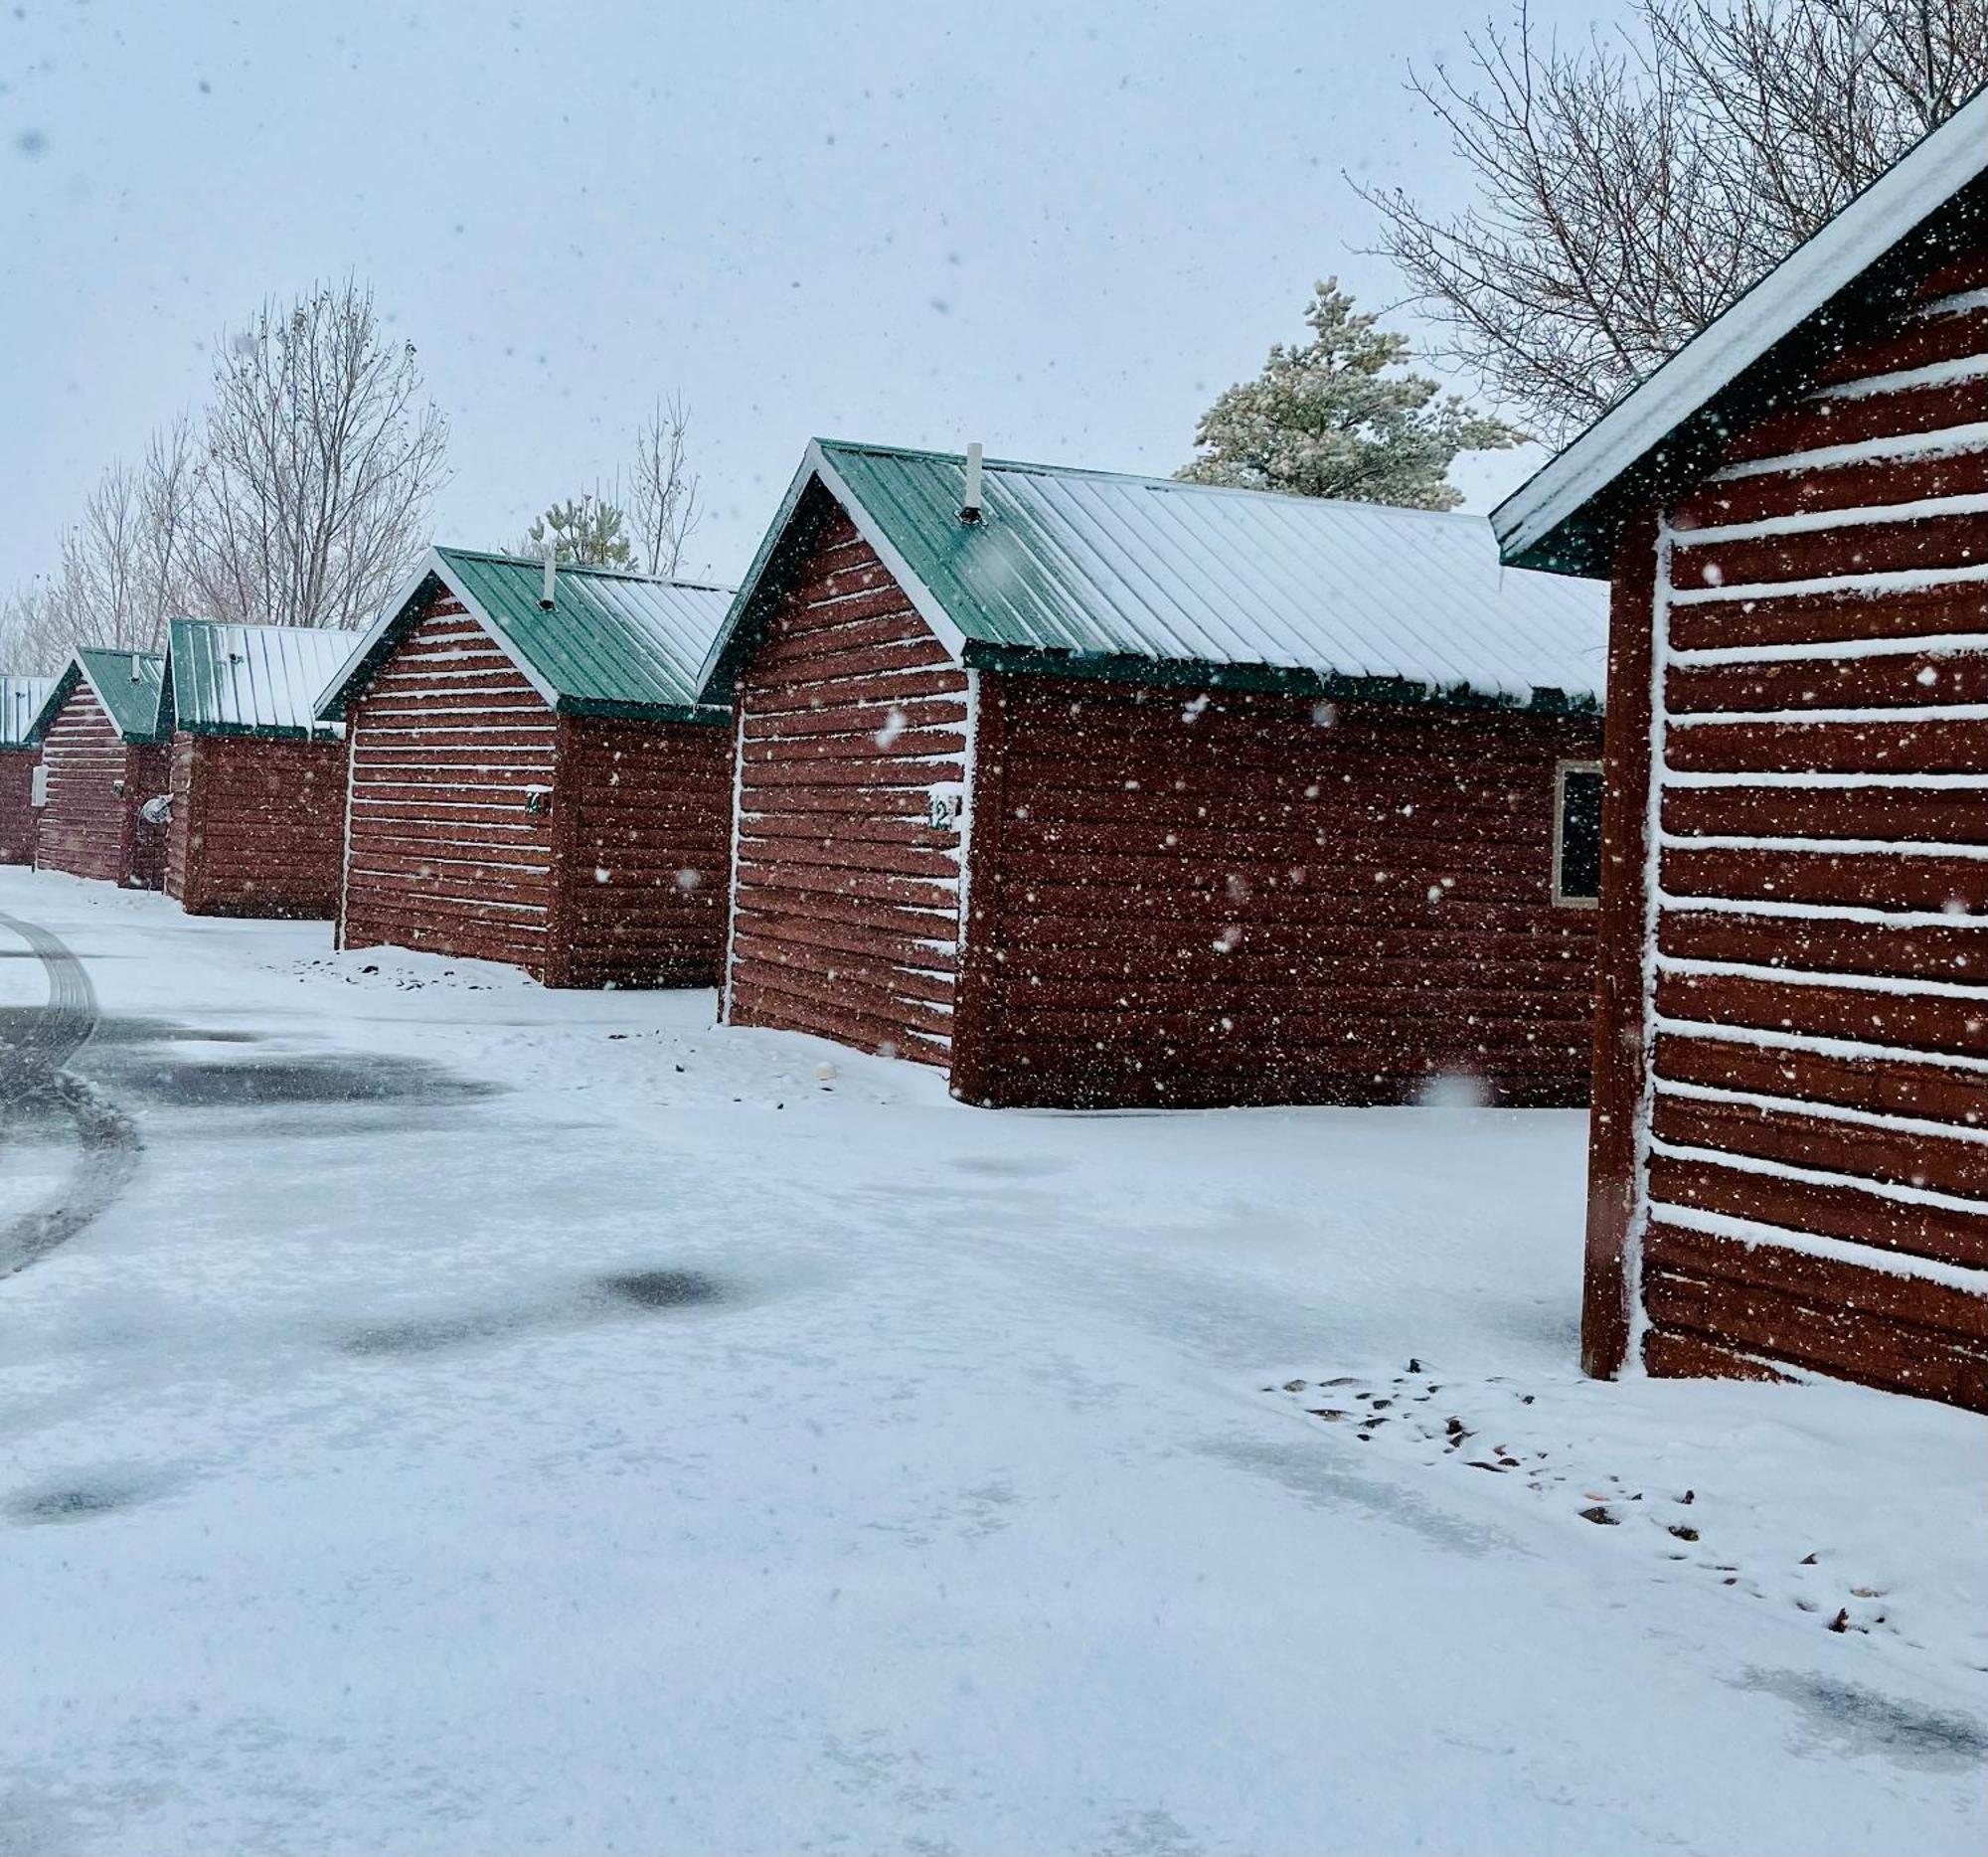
x: 89, y: 827
x: 643, y: 813
x: 1813, y: 1134
x: 447, y: 743
x: 18, y: 812
x: 846, y: 901
x: 1203, y: 897
x: 256, y: 825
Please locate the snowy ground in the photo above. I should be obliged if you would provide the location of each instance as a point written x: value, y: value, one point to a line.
x: 491, y: 1420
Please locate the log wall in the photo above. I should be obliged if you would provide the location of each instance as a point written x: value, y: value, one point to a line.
x: 89, y: 828
x: 643, y: 831
x: 1807, y: 1186
x: 442, y: 850
x: 18, y: 812
x: 258, y: 825
x: 1193, y: 896
x: 851, y: 719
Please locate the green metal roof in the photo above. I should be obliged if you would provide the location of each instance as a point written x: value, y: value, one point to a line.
x: 1144, y: 578
x: 127, y: 683
x: 260, y: 680
x: 612, y: 645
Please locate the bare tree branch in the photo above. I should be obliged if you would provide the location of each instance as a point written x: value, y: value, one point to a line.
x: 320, y: 462
x: 663, y: 507
x: 1627, y: 188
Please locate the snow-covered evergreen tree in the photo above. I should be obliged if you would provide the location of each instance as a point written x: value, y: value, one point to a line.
x: 1340, y: 417
x: 585, y: 531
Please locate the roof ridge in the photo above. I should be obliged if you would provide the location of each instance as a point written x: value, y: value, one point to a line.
x: 1175, y: 485
x: 575, y: 567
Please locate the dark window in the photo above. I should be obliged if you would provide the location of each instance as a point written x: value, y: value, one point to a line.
x: 1577, y: 834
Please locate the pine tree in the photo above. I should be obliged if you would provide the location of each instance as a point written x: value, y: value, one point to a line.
x: 585, y: 531
x: 1336, y: 416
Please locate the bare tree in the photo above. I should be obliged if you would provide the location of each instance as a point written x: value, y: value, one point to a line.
x: 167, y: 483
x: 103, y: 567
x: 122, y: 569
x: 1628, y: 189
x: 320, y: 461
x: 36, y: 628
x: 662, y: 509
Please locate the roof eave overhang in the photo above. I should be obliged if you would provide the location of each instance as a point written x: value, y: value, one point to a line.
x: 778, y: 557
x: 609, y: 708
x: 1567, y: 519
x: 377, y: 641
x: 1273, y: 679
x: 60, y: 693
x: 262, y: 731
x: 131, y: 738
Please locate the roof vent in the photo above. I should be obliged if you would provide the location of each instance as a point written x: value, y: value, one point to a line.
x: 969, y: 504
x: 550, y: 592
x: 134, y: 667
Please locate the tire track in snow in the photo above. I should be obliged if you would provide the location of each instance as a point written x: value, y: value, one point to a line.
x: 35, y: 1049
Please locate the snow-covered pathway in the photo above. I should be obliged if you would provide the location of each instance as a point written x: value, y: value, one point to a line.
x: 493, y: 1418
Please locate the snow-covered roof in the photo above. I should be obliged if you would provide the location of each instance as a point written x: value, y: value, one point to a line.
x: 228, y: 679
x: 1096, y: 573
x: 1546, y: 522
x: 127, y: 684
x: 613, y: 643
x: 21, y: 700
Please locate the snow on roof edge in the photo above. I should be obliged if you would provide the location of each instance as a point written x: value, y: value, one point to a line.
x: 1939, y: 166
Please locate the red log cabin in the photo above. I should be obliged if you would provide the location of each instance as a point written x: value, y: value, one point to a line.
x: 257, y: 781
x: 532, y: 776
x: 21, y: 700
x: 1789, y: 1156
x: 1098, y: 791
x: 104, y: 757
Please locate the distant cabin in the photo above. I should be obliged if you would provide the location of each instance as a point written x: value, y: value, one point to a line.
x: 257, y: 781
x: 538, y: 784
x: 21, y: 700
x: 1117, y: 791
x: 1789, y: 1162
x: 104, y: 757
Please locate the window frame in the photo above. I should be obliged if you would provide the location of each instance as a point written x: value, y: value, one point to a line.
x: 1561, y: 770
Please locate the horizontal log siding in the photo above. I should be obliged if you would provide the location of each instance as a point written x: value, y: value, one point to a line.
x: 17, y: 814
x: 185, y: 828
x: 441, y: 853
x: 1817, y: 981
x: 643, y: 833
x: 88, y: 827
x: 845, y: 899
x: 1200, y: 898
x: 257, y: 826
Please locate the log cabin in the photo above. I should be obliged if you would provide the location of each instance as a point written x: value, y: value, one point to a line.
x: 530, y: 775
x: 1098, y: 791
x: 104, y: 757
x: 1788, y: 1167
x: 257, y: 781
x: 21, y: 700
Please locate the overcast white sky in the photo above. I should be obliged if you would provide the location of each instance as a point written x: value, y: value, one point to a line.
x: 1058, y: 229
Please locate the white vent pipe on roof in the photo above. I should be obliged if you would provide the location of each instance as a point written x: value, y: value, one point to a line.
x: 550, y: 592
x: 969, y: 504
x: 134, y: 667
